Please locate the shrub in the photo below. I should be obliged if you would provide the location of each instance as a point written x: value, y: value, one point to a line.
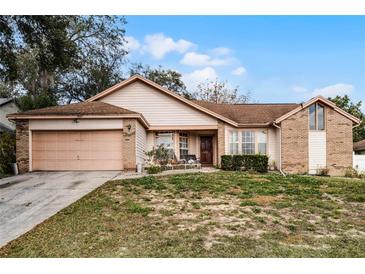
x: 322, y: 171
x: 153, y: 169
x: 226, y: 162
x: 255, y: 162
x: 7, y: 152
x: 351, y: 172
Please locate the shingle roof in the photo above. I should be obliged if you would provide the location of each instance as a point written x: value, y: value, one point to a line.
x: 360, y: 145
x: 83, y: 108
x: 249, y: 113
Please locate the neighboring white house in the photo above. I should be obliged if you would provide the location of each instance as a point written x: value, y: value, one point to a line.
x: 7, y: 106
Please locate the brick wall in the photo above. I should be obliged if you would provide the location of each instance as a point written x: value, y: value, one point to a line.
x: 294, y: 143
x: 22, y: 145
x: 129, y: 144
x: 221, y: 140
x: 339, y: 142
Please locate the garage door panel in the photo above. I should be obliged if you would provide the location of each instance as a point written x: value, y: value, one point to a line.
x: 77, y: 150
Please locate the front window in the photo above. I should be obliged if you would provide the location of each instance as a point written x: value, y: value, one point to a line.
x: 233, y: 143
x: 183, y: 143
x: 248, y: 142
x: 262, y: 140
x: 165, y: 139
x: 316, y: 117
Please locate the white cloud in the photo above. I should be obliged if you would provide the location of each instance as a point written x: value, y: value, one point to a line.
x: 333, y: 90
x: 239, y: 71
x: 197, y: 59
x: 132, y: 43
x: 193, y: 79
x: 158, y: 45
x: 221, y: 51
x: 299, y: 89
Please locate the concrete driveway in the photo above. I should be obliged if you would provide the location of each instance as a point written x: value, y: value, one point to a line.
x: 27, y: 200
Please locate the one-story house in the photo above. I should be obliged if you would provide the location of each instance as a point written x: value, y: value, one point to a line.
x: 7, y: 106
x: 359, y: 147
x: 113, y: 129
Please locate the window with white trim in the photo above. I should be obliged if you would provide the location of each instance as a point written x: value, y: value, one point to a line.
x: 165, y: 138
x: 261, y: 142
x: 233, y: 142
x: 316, y: 117
x: 248, y: 142
x: 184, y: 143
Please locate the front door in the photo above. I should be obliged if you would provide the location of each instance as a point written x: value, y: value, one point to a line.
x: 206, y: 150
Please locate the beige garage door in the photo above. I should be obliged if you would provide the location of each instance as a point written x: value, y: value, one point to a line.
x: 77, y: 150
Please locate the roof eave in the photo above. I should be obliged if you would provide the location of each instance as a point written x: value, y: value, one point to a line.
x: 165, y: 90
x: 325, y: 101
x: 140, y: 117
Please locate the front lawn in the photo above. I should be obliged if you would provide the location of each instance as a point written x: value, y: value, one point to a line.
x: 223, y: 214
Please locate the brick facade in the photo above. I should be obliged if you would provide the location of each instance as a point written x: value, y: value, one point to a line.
x: 129, y: 144
x: 221, y: 140
x: 339, y: 142
x: 294, y: 143
x: 22, y: 145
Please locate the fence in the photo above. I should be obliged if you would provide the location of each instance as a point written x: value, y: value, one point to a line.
x: 359, y: 162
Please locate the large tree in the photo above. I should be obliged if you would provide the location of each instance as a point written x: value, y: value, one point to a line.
x: 217, y: 91
x: 168, y: 78
x: 353, y: 108
x: 68, y: 58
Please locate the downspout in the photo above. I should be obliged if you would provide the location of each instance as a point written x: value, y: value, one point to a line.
x: 281, y: 171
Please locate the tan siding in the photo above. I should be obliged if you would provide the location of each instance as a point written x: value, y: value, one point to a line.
x: 141, y: 143
x: 159, y: 109
x: 69, y: 124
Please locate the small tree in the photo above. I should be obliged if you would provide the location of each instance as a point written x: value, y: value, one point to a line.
x: 354, y: 108
x: 168, y: 78
x: 7, y: 152
x: 218, y: 92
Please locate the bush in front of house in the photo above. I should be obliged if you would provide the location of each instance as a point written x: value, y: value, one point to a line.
x: 7, y: 152
x: 255, y: 162
x: 154, y: 169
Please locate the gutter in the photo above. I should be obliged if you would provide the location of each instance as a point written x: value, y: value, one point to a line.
x: 281, y: 171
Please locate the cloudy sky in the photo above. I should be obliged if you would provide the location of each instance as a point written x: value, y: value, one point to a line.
x: 277, y: 58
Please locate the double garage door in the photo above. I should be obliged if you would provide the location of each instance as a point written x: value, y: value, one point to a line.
x: 77, y: 150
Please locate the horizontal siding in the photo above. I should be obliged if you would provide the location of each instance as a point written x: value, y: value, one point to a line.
x: 273, y: 144
x: 141, y: 143
x: 158, y: 108
x: 82, y: 124
x: 317, y: 150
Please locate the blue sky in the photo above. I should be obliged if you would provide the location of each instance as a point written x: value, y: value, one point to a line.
x: 277, y: 58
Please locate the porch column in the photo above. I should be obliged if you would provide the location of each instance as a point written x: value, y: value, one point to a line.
x: 221, y: 140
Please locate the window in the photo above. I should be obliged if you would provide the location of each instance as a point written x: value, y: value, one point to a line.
x: 316, y: 117
x: 233, y: 142
x: 165, y: 139
x: 262, y: 142
x: 248, y: 142
x: 183, y: 143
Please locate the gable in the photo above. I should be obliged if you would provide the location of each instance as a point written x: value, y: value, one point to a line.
x: 327, y: 103
x: 158, y: 108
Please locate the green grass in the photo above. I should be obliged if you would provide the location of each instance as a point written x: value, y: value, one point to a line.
x: 223, y: 214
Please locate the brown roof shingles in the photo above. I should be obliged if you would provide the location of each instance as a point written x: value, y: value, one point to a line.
x: 83, y: 108
x: 249, y: 114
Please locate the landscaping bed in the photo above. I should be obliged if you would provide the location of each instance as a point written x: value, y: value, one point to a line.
x: 221, y: 214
